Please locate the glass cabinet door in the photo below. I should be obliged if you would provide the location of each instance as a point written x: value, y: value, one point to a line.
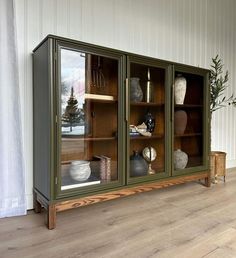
x: 189, y: 112
x: 89, y: 120
x: 147, y: 122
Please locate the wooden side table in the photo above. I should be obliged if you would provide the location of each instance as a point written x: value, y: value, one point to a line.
x: 218, y: 165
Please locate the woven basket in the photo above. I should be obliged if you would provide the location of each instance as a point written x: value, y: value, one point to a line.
x: 218, y: 164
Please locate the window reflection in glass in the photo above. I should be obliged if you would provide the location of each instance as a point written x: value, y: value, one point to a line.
x: 72, y: 92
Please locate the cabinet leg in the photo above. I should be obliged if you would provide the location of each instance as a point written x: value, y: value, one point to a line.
x: 208, y: 181
x: 37, y: 205
x: 51, y: 216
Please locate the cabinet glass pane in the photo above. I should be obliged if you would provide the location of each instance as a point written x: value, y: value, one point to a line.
x: 188, y: 121
x: 89, y: 113
x: 147, y: 120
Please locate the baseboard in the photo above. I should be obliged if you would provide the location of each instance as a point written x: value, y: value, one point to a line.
x: 231, y: 163
x: 231, y: 169
x: 29, y: 201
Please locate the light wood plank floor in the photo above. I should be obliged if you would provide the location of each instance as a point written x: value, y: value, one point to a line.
x: 185, y: 221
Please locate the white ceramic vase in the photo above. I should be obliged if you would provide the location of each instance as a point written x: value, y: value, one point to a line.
x: 80, y: 170
x: 180, y: 159
x: 180, y: 87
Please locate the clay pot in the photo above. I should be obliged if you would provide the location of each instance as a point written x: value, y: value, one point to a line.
x: 180, y: 159
x: 180, y: 87
x: 180, y: 119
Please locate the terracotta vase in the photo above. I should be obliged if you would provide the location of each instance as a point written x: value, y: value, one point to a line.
x: 180, y: 119
x: 180, y: 159
x: 180, y: 87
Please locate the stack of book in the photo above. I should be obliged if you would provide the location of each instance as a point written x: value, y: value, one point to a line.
x: 105, y: 167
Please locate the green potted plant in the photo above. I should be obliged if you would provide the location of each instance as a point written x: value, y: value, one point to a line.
x: 218, y: 85
x: 218, y: 100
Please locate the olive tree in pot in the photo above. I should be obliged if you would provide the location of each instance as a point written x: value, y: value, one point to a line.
x: 218, y: 100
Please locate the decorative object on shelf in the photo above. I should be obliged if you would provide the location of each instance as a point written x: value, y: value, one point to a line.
x: 72, y: 115
x: 149, y: 154
x: 136, y: 93
x: 149, y: 122
x: 133, y: 131
x: 180, y: 121
x: 149, y: 89
x: 180, y: 87
x: 80, y: 170
x: 138, y: 166
x: 140, y: 129
x: 98, y: 79
x: 105, y: 167
x: 180, y: 159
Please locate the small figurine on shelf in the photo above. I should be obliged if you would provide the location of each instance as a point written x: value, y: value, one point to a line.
x: 149, y: 122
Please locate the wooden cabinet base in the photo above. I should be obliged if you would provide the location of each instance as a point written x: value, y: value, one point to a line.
x: 57, y: 206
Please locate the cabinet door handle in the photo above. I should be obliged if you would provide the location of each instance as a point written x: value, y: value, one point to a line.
x: 172, y: 102
x: 126, y: 99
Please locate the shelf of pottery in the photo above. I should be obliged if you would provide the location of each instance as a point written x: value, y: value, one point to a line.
x: 188, y: 121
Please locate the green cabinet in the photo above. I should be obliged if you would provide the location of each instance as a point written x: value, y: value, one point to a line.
x: 105, y: 124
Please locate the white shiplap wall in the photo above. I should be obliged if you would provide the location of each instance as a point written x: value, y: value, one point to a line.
x: 186, y: 31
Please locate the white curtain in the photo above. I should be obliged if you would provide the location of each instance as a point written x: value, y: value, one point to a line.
x: 12, y: 184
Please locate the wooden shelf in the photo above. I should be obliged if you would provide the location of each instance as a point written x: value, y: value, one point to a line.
x: 101, y: 101
x: 188, y: 135
x: 188, y: 106
x: 140, y: 137
x: 152, y: 104
x: 74, y: 138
